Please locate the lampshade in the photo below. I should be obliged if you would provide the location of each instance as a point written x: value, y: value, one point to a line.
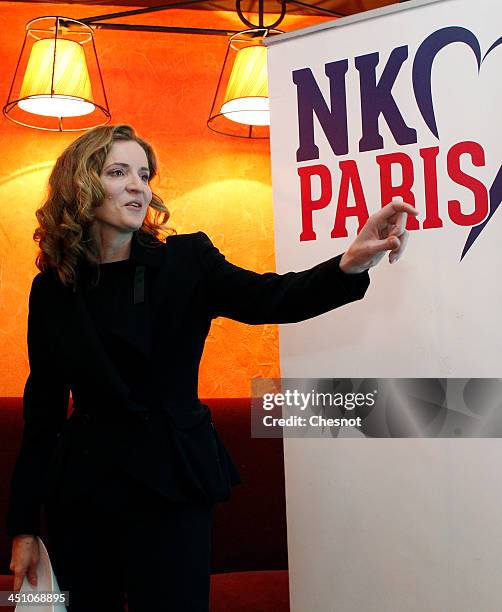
x: 54, y: 78
x: 246, y: 96
x: 240, y: 105
x: 56, y: 82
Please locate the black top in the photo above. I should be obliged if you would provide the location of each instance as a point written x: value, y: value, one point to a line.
x: 115, y: 291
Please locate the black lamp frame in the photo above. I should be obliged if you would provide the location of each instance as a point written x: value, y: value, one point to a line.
x: 98, y: 20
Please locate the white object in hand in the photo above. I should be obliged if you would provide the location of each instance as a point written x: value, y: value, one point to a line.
x: 402, y: 234
x: 399, y: 200
x: 46, y: 581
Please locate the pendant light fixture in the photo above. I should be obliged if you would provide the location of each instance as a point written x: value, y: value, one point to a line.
x: 57, y: 85
x: 240, y: 105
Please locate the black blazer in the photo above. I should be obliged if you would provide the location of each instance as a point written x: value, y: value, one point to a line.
x: 168, y: 442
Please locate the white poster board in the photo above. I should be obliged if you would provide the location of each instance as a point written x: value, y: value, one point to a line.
x: 402, y: 101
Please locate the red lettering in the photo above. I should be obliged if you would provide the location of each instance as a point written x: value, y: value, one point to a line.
x: 308, y: 204
x: 457, y: 175
x: 350, y: 178
x: 432, y: 218
x: 403, y: 174
x: 389, y: 191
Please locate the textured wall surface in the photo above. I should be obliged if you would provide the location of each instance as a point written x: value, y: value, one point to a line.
x: 163, y: 85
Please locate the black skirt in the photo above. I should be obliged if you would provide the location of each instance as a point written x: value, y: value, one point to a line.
x: 126, y: 542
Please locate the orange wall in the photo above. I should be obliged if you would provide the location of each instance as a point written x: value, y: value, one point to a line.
x: 163, y: 85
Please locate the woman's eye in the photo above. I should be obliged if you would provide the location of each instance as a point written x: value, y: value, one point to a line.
x: 145, y: 177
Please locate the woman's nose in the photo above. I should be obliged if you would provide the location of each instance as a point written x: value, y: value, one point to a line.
x: 136, y: 183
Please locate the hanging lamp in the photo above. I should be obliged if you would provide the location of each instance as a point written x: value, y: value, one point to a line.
x: 240, y: 105
x: 57, y: 85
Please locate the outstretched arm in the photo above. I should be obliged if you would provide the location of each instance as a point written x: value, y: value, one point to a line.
x: 254, y: 298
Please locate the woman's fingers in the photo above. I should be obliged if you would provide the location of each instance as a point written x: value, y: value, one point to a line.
x: 32, y: 572
x: 379, y: 247
x: 18, y: 579
x: 399, y: 225
x: 25, y: 559
x: 390, y: 220
x: 383, y: 231
x: 397, y: 207
x: 391, y: 243
x: 395, y: 214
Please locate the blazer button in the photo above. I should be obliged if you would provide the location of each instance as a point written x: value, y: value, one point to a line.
x: 145, y: 416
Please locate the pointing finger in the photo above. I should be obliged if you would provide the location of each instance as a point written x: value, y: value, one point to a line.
x: 397, y: 207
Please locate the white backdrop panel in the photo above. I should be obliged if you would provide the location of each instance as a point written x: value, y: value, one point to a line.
x: 396, y: 525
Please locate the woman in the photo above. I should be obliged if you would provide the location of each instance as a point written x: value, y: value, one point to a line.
x: 119, y: 317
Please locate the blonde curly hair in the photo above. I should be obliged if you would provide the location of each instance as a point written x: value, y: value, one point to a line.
x: 74, y: 191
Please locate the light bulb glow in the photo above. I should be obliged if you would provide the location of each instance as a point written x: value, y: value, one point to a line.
x: 56, y: 106
x: 250, y: 111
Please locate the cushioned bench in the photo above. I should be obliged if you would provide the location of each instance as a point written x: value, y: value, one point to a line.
x: 249, y: 566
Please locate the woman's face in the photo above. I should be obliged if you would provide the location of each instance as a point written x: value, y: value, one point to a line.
x: 124, y: 176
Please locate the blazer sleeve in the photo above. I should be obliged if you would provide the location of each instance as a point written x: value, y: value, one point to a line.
x: 45, y: 404
x: 254, y: 298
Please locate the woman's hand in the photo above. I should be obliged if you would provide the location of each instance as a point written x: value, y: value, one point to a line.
x: 25, y: 558
x: 383, y: 231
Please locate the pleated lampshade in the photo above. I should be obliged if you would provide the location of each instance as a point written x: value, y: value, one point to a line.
x: 56, y: 82
x: 240, y: 105
x: 57, y: 85
x: 246, y: 96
